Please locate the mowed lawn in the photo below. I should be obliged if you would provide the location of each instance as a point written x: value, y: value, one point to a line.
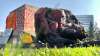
x: 67, y: 51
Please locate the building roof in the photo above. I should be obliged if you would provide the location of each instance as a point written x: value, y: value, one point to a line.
x: 25, y: 5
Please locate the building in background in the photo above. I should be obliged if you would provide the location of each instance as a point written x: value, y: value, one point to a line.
x: 88, y: 22
x: 22, y: 19
x: 1, y: 33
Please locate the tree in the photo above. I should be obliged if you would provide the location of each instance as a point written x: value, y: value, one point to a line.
x: 96, y: 32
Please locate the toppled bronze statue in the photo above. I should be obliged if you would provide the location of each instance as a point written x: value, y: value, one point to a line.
x: 58, y: 27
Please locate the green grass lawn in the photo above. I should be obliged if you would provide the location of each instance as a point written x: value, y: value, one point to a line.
x: 67, y: 51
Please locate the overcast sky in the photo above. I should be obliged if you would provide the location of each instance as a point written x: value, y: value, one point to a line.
x: 78, y: 7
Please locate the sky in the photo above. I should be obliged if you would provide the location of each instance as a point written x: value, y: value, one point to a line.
x: 78, y: 7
